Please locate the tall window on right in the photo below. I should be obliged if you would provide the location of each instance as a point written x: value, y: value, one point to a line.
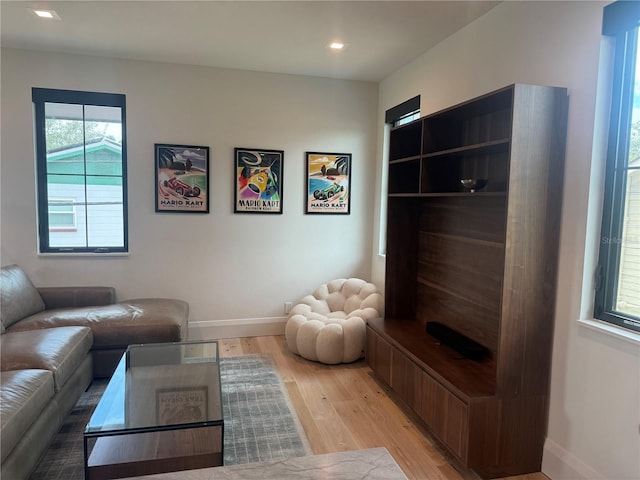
x: 617, y: 297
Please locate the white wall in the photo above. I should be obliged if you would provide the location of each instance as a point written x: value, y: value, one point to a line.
x: 244, y: 266
x: 595, y: 405
x: 227, y: 266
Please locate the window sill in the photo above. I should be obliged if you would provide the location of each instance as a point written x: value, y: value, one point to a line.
x: 611, y: 330
x: 83, y: 254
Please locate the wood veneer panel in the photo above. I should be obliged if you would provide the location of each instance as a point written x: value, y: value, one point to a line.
x: 440, y: 175
x: 405, y: 141
x: 446, y: 416
x: 457, y: 264
x: 444, y: 413
x: 507, y: 436
x: 404, y: 177
x: 522, y: 435
x: 484, y: 435
x: 456, y: 436
x: 433, y: 405
x: 461, y: 264
x: 379, y: 356
x: 402, y: 250
x: 479, y: 120
x: 467, y: 378
x: 535, y: 190
x: 370, y: 350
x: 473, y: 216
x: 406, y: 379
x: 496, y: 123
x: 475, y: 321
x: 155, y: 452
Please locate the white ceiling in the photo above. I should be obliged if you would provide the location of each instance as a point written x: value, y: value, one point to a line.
x: 271, y: 36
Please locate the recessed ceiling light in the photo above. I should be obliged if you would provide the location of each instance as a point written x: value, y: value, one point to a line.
x: 47, y: 14
x: 336, y: 46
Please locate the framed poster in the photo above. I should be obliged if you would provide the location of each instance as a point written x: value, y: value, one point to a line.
x: 258, y: 180
x: 328, y: 183
x: 181, y: 405
x: 182, y: 178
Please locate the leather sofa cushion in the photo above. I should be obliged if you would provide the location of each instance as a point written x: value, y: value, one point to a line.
x: 59, y: 350
x: 23, y: 395
x: 18, y: 297
x: 65, y: 297
x: 145, y: 320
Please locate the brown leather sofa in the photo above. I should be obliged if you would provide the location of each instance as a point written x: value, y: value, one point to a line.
x: 54, y: 341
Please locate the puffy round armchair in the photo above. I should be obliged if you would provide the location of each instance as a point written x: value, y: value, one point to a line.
x: 329, y: 326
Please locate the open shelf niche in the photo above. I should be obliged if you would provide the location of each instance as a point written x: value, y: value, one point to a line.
x: 482, y: 263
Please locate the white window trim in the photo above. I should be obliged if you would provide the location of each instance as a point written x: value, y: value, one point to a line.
x: 610, y: 329
x: 73, y: 213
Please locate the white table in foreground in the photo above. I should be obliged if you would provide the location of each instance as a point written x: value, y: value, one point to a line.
x: 368, y: 464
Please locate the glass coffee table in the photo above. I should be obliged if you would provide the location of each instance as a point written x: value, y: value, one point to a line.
x: 161, y: 412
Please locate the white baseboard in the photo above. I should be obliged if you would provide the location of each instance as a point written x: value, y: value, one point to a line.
x: 244, y: 327
x: 559, y: 464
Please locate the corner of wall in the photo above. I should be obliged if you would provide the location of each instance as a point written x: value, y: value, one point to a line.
x: 559, y: 464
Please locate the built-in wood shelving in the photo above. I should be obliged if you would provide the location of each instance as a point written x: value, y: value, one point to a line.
x: 482, y: 263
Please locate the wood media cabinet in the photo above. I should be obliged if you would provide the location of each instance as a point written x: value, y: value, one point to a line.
x: 482, y: 263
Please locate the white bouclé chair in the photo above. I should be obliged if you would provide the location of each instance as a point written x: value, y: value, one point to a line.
x: 328, y: 326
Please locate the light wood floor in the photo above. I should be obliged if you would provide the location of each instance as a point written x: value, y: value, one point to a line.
x: 342, y: 407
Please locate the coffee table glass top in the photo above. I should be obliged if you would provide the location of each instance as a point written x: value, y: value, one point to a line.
x: 161, y: 386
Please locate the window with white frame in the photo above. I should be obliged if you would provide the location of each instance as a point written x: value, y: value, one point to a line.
x: 62, y: 214
x: 81, y: 167
x: 617, y: 299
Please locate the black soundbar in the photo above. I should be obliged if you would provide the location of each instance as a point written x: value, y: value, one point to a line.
x: 460, y: 343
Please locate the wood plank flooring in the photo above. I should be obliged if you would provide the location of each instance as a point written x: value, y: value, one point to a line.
x: 342, y: 407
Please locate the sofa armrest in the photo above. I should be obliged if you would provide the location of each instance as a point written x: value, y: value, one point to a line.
x: 62, y: 297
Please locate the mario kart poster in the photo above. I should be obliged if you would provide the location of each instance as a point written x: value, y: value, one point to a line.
x: 258, y: 185
x: 182, y: 178
x: 328, y: 182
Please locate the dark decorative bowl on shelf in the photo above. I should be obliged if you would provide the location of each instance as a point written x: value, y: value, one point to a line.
x: 474, y: 184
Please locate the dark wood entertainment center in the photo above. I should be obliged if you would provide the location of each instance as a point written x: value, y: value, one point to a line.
x: 482, y: 263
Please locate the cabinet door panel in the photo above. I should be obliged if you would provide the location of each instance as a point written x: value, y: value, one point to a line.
x: 379, y: 356
x: 457, y: 426
x: 406, y: 380
x: 446, y: 415
x: 370, y: 349
x: 433, y: 404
